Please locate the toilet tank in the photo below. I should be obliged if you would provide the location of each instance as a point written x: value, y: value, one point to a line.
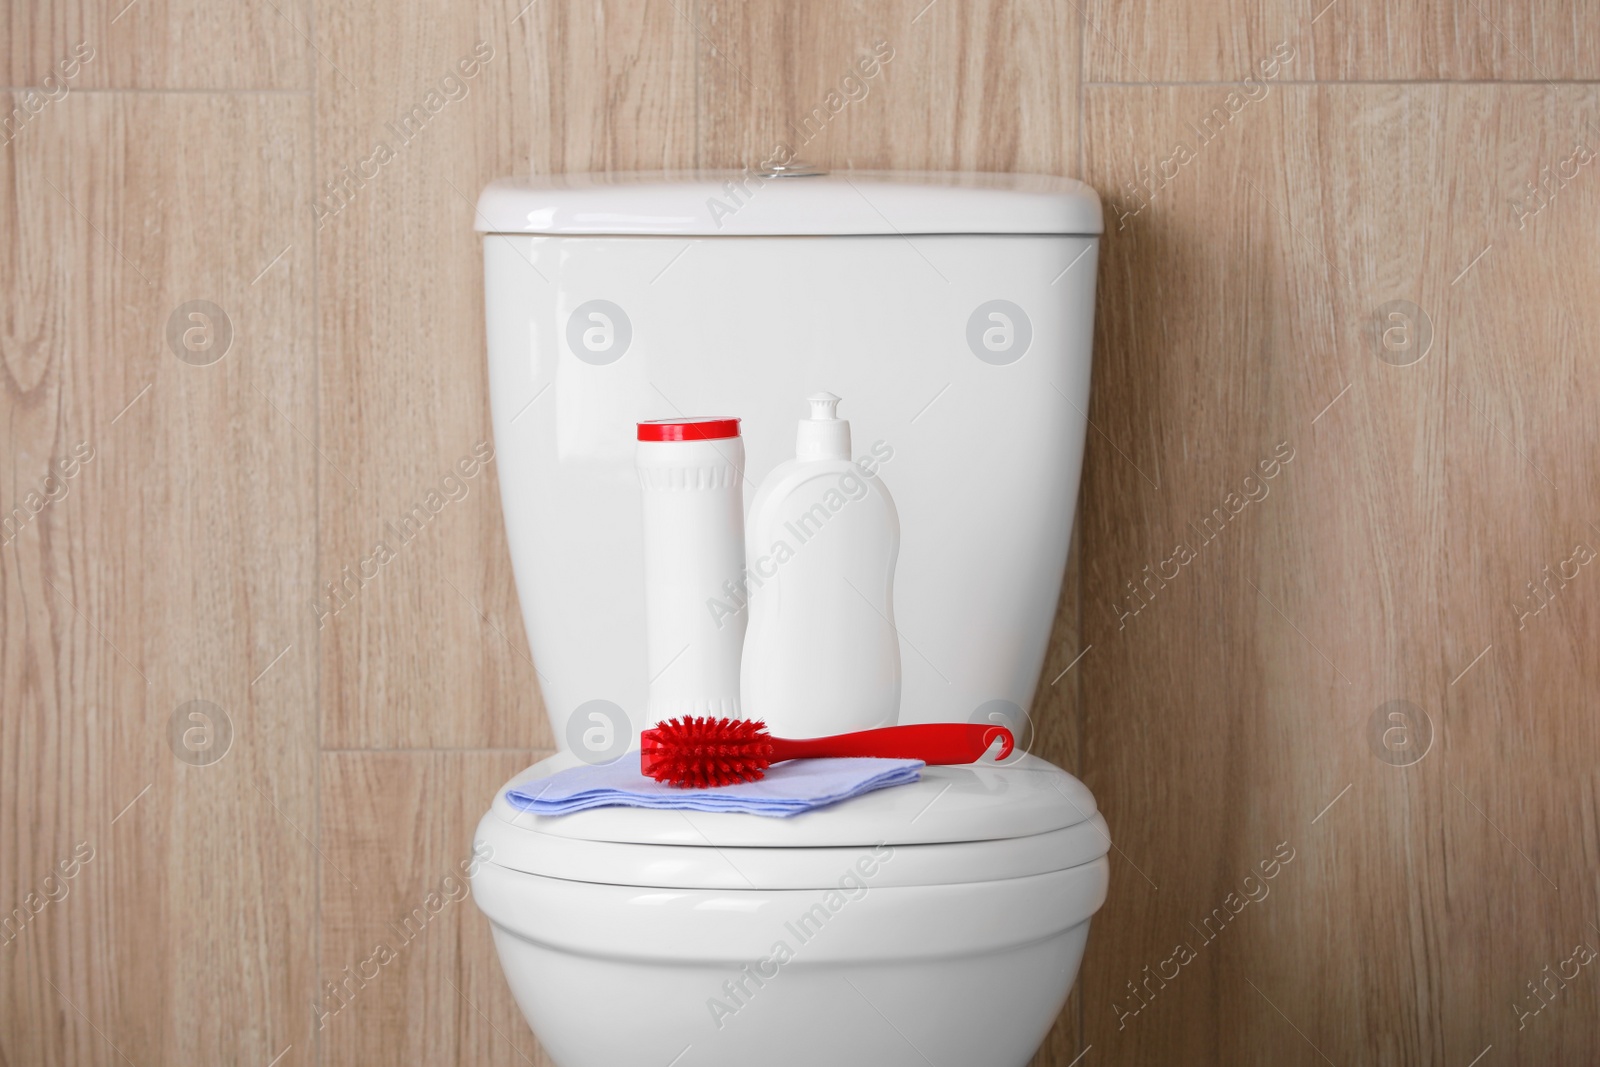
x: 952, y: 312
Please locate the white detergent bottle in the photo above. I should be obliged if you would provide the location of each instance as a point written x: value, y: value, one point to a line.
x: 821, y: 654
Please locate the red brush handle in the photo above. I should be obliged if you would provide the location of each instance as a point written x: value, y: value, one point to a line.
x: 934, y: 742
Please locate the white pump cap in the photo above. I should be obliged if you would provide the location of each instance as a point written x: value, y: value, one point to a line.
x: 824, y: 435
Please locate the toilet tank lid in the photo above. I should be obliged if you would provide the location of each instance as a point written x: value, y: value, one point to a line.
x: 741, y: 204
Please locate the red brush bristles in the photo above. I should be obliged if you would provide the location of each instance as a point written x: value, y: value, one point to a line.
x: 701, y: 753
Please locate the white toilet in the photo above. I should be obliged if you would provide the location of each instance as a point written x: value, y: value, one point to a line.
x: 936, y: 923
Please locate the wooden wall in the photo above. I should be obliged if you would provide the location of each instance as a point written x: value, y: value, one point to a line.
x: 1425, y: 535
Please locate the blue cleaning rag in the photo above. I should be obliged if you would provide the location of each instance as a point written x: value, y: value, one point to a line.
x: 788, y: 789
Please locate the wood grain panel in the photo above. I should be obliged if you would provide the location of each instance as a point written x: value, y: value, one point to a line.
x: 400, y: 827
x: 1340, y: 40
x: 426, y: 648
x: 1237, y: 699
x: 159, y: 565
x: 155, y: 44
x: 613, y: 84
x: 989, y: 86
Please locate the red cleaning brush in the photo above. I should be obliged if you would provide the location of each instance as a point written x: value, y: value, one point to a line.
x: 699, y: 753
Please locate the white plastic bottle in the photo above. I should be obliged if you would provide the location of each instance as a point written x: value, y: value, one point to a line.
x: 821, y: 655
x: 691, y: 475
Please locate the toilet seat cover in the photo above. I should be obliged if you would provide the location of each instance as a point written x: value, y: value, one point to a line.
x: 957, y: 824
x: 973, y: 802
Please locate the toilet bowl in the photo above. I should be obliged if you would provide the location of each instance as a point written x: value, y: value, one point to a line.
x: 938, y: 922
x: 941, y: 922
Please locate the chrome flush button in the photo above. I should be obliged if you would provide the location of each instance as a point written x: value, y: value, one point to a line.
x: 796, y: 169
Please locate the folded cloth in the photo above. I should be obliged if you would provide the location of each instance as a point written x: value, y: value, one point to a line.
x: 788, y: 789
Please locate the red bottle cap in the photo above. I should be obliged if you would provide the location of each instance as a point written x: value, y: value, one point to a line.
x: 698, y: 428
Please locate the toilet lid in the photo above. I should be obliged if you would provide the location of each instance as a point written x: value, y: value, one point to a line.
x: 957, y: 824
